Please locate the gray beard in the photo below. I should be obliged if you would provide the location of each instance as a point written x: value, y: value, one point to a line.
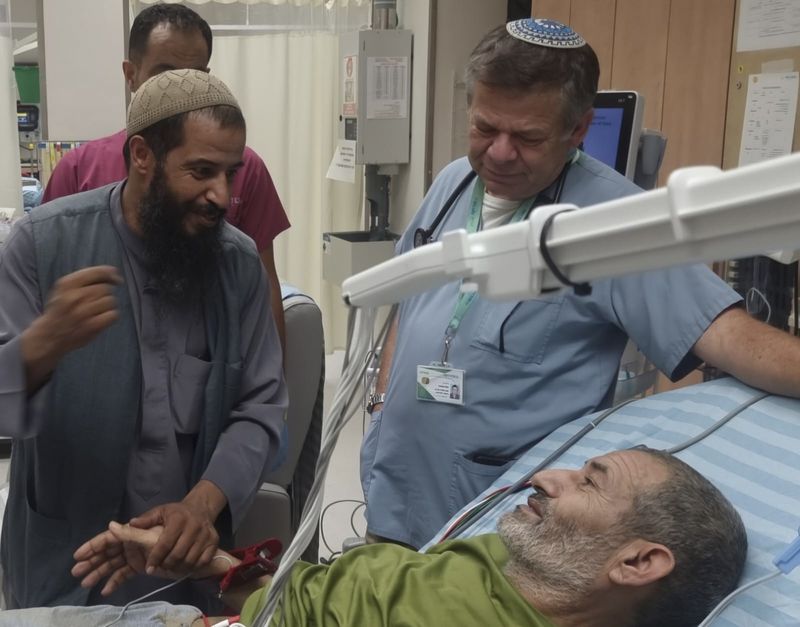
x: 554, y: 560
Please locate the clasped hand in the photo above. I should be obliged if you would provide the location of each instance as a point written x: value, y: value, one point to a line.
x: 122, y: 551
x: 169, y: 541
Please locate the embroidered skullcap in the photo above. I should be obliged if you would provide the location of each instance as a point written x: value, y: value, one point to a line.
x: 173, y: 92
x: 542, y: 32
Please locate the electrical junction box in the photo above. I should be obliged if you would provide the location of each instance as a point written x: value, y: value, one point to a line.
x: 349, y: 252
x: 375, y: 94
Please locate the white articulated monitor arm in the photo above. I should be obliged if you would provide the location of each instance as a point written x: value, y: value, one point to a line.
x: 703, y: 214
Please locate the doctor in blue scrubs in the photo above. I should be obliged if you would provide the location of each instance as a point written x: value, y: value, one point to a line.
x: 525, y: 368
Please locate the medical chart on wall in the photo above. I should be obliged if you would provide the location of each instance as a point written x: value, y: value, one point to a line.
x: 387, y: 87
x: 766, y: 24
x: 343, y: 164
x: 769, y: 115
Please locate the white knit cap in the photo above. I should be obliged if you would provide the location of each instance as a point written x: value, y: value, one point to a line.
x: 173, y: 92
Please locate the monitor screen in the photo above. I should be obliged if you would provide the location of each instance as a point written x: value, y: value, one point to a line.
x: 27, y: 118
x: 602, y: 140
x: 613, y: 136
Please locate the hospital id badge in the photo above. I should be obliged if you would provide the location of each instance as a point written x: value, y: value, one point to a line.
x: 440, y: 384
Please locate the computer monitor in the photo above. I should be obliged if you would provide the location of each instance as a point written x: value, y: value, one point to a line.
x: 613, y: 136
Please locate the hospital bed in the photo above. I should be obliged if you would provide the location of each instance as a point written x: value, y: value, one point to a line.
x: 703, y: 214
x: 753, y: 458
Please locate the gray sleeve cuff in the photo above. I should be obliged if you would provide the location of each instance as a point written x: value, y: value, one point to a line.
x: 238, y: 463
x: 683, y: 357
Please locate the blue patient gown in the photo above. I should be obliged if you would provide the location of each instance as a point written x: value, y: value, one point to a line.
x: 557, y: 360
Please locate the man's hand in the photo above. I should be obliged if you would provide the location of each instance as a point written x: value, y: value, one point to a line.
x: 79, y: 307
x: 188, y: 540
x: 122, y: 551
x: 117, y: 554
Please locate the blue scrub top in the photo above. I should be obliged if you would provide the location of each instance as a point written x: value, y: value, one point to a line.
x: 422, y: 461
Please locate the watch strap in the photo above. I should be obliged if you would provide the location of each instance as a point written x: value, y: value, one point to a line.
x: 375, y: 399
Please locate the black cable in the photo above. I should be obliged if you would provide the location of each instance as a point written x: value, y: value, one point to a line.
x: 581, y: 289
x: 502, y: 345
x: 422, y: 236
x: 322, y: 521
x: 352, y: 518
x: 330, y: 558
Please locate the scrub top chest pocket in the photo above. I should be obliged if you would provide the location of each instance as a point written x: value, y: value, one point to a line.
x: 520, y: 331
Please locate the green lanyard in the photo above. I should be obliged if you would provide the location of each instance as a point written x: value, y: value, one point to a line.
x: 465, y: 299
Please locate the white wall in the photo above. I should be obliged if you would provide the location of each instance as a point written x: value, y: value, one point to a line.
x: 408, y: 187
x: 460, y: 26
x: 81, y: 48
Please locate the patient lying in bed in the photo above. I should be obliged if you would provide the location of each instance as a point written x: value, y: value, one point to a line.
x: 635, y: 537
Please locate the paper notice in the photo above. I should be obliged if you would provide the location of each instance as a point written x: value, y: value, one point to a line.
x: 766, y: 24
x: 768, y: 128
x: 343, y: 164
x: 387, y: 87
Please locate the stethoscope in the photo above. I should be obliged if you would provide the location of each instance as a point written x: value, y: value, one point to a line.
x: 424, y: 236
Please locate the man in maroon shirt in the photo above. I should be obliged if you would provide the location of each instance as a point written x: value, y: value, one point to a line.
x: 166, y: 37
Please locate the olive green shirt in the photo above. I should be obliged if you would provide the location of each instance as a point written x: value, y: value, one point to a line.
x: 459, y: 582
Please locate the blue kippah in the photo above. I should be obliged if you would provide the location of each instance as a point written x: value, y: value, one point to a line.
x: 543, y: 32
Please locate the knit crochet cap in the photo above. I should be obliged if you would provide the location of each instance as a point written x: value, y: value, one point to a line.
x: 543, y: 32
x: 173, y: 92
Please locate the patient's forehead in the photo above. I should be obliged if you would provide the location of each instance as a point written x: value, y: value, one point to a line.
x: 627, y: 471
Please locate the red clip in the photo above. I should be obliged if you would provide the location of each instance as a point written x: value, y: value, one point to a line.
x: 256, y: 560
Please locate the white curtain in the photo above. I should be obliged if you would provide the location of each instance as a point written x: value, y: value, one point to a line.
x: 10, y: 183
x: 288, y: 87
x: 284, y: 70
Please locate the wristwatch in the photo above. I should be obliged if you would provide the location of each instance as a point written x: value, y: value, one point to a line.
x: 375, y: 399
